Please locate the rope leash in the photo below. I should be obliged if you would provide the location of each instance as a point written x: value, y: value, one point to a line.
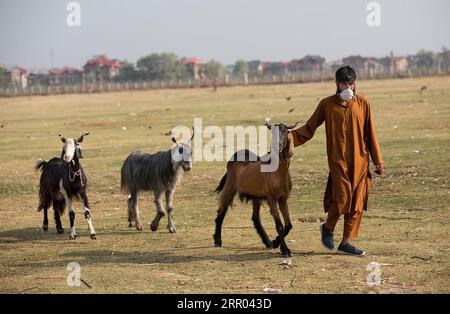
x: 76, y: 173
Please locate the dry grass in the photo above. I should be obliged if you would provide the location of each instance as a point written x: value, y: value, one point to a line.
x: 405, y: 230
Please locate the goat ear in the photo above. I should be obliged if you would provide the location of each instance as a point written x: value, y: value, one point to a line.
x: 291, y: 146
x: 79, y: 152
x: 80, y: 139
x: 63, y: 139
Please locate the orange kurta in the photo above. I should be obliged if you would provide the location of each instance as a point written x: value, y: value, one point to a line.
x: 350, y: 135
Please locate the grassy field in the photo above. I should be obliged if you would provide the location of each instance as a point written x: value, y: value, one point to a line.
x: 405, y: 230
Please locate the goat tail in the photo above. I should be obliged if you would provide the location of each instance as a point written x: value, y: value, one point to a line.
x: 45, y: 198
x: 42, y: 204
x: 123, y: 185
x: 221, y: 184
x: 40, y: 164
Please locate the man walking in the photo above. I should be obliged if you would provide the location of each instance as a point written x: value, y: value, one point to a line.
x: 351, y: 138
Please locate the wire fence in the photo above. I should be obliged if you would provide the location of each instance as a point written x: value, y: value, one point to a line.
x: 227, y: 80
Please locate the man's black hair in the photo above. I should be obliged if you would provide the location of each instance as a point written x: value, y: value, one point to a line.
x: 346, y: 74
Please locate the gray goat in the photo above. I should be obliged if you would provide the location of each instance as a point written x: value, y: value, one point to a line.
x: 158, y: 173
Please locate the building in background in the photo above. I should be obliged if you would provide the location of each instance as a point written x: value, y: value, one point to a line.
x: 102, y: 69
x: 18, y: 77
x: 256, y: 68
x: 65, y: 76
x: 311, y: 63
x: 196, y: 66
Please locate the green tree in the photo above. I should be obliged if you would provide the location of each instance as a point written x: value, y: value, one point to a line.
x: 3, y: 77
x: 425, y: 61
x: 445, y: 59
x: 181, y: 71
x: 164, y: 66
x: 214, y: 69
x: 241, y: 67
x: 128, y: 73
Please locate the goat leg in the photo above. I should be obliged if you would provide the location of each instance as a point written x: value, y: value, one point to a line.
x: 159, y: 212
x: 256, y: 218
x: 87, y: 214
x: 45, y: 222
x: 170, y: 223
x: 279, y: 226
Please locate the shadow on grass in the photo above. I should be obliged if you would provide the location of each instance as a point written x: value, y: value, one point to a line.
x: 37, y: 234
x: 170, y: 256
x: 30, y: 235
x: 105, y: 257
x: 393, y: 218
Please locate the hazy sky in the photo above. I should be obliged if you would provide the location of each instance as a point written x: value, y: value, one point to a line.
x: 225, y: 30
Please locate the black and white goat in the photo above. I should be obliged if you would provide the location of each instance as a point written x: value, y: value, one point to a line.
x: 62, y: 180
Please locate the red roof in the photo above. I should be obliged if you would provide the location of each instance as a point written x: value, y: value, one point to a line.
x: 21, y: 70
x: 194, y: 60
x: 103, y: 60
x: 64, y: 71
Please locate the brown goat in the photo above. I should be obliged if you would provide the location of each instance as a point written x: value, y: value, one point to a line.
x: 246, y: 178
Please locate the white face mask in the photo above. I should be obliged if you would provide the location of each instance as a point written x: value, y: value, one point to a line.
x: 346, y: 94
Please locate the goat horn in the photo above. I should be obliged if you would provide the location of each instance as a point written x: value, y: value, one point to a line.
x: 193, y: 133
x: 291, y: 127
x: 269, y: 126
x: 80, y: 139
x: 63, y: 139
x: 173, y: 138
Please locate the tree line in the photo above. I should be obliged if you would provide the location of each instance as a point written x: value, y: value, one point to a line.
x: 168, y: 66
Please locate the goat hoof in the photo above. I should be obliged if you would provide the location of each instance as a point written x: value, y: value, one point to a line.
x: 45, y: 228
x: 172, y: 230
x: 130, y: 225
x: 153, y: 227
x: 217, y: 241
x: 139, y: 228
x: 275, y: 243
x: 60, y: 230
x: 93, y: 236
x: 287, y: 253
x: 72, y: 236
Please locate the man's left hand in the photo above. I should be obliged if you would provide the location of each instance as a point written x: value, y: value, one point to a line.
x: 379, y: 169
